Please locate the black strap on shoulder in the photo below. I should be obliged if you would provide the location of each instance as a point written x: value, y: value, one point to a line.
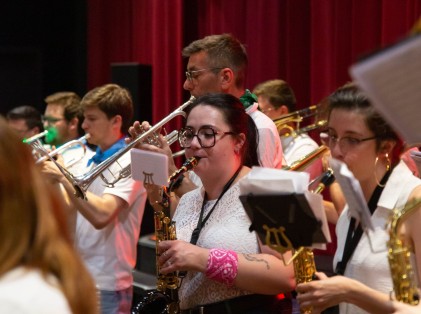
x: 354, y: 234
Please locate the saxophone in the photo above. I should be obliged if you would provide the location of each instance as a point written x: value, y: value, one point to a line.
x: 164, y: 299
x: 405, y: 286
x: 303, y: 259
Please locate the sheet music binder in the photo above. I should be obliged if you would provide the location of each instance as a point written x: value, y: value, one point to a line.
x: 291, y: 211
x: 390, y: 78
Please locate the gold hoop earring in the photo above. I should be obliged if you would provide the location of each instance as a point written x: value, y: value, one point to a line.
x: 388, y: 166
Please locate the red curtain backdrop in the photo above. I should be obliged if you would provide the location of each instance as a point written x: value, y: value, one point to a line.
x: 309, y: 43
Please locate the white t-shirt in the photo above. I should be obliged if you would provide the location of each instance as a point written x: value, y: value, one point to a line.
x: 110, y: 253
x: 270, y: 148
x: 26, y: 291
x: 72, y: 154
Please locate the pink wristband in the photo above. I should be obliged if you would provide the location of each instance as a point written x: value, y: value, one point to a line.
x: 222, y: 266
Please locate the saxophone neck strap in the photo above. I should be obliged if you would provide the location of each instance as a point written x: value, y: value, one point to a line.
x: 201, y: 223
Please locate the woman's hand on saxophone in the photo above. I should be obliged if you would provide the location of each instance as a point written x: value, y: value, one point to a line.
x: 177, y: 255
x: 321, y: 294
x: 329, y: 291
x: 402, y: 308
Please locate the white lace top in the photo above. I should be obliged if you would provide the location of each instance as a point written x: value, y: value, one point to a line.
x: 226, y: 228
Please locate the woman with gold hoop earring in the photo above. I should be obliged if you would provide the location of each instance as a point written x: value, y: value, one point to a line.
x: 359, y: 137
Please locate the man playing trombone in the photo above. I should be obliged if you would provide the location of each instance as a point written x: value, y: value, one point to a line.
x: 109, y: 220
x: 276, y: 99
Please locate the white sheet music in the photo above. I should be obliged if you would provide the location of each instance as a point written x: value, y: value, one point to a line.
x: 354, y: 196
x: 392, y: 80
x: 262, y: 180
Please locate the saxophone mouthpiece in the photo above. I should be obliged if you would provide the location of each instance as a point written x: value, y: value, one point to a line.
x: 189, y: 164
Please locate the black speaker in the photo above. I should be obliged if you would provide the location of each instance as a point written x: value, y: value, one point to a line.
x: 137, y: 78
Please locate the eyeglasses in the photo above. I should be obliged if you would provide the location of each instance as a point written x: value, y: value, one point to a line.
x: 206, y: 136
x: 51, y: 120
x: 191, y: 75
x: 346, y: 143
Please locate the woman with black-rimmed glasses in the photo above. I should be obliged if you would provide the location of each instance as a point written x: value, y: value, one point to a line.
x: 360, y: 137
x: 226, y: 271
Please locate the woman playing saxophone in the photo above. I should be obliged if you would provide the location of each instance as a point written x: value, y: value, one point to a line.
x: 359, y: 137
x: 226, y: 271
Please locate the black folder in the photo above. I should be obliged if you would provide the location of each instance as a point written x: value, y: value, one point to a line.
x: 291, y: 212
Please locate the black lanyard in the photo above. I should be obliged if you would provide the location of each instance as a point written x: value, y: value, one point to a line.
x: 354, y: 235
x: 201, y: 223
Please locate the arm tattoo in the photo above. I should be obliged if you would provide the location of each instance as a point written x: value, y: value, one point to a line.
x: 255, y: 259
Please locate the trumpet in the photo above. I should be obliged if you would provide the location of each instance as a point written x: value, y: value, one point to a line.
x: 74, y: 143
x: 36, y: 142
x: 36, y: 138
x: 82, y: 182
x: 283, y: 123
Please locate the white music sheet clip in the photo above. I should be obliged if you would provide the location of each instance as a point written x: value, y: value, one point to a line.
x: 149, y: 167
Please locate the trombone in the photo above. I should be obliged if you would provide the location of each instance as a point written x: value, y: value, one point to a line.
x: 82, y: 182
x: 283, y: 123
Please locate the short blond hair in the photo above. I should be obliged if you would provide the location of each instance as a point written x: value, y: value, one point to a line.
x: 278, y: 93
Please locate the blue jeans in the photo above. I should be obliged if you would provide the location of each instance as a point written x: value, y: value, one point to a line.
x: 116, y: 302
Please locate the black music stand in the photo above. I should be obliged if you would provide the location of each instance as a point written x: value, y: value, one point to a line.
x: 290, y: 211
